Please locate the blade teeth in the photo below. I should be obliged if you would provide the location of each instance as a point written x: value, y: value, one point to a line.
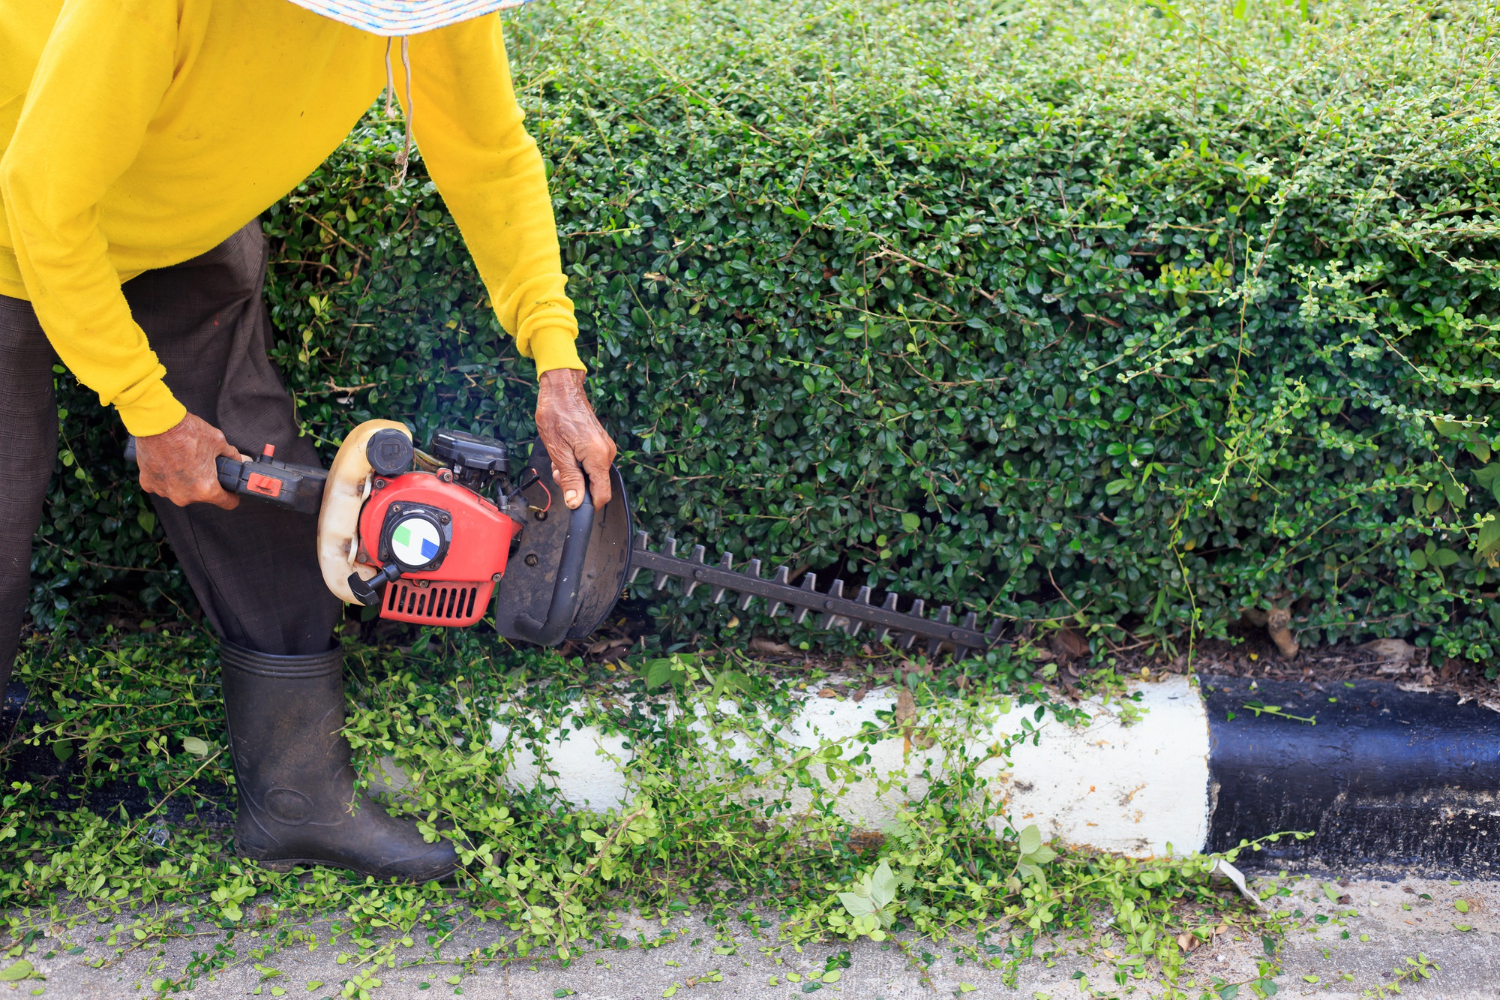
x: 753, y: 570
x: 855, y: 624
x: 809, y: 583
x: 783, y: 574
x: 945, y: 616
x: 960, y: 652
x: 697, y: 560
x: 917, y: 607
x: 669, y: 549
x: 726, y: 562
x: 889, y: 605
x: 835, y: 590
x: 642, y: 542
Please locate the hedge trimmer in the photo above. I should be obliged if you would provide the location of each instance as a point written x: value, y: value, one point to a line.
x: 430, y: 537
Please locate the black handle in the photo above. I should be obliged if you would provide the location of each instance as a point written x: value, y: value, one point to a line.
x: 229, y: 472
x: 564, y: 607
x: 284, y: 484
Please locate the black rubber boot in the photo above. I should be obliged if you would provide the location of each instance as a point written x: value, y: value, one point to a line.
x: 297, y: 802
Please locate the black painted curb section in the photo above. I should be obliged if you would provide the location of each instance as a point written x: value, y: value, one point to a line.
x: 1385, y: 778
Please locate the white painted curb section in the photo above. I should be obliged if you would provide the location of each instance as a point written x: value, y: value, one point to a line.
x: 1132, y: 790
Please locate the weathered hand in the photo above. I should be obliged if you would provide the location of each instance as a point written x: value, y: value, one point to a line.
x: 573, y: 436
x: 179, y: 464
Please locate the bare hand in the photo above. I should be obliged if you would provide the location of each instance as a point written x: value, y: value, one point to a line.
x: 179, y: 464
x: 573, y: 437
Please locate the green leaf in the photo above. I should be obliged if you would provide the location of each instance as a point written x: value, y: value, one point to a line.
x: 832, y: 977
x: 195, y: 746
x: 147, y: 520
x: 856, y: 905
x: 967, y: 987
x: 62, y: 749
x: 1489, y: 534
x: 1029, y: 840
x: 1419, y: 559
x: 1456, y: 495
x: 664, y: 670
x: 1117, y: 486
x: 1434, y: 501
x: 1448, y: 428
x: 1229, y: 992
x: 910, y: 521
x: 1462, y: 906
x: 883, y: 886
x: 15, y: 971
x: 671, y: 991
x: 1444, y: 558
x: 1487, y: 476
x: 730, y: 680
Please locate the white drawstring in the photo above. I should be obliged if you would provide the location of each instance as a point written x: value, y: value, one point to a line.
x: 403, y: 157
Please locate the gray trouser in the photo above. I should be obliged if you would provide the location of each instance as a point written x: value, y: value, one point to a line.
x: 254, y: 569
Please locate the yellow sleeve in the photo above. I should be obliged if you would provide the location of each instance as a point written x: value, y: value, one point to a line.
x: 101, y: 78
x: 490, y: 174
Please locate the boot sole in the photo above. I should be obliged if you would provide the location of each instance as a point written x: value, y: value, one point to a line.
x: 285, y: 865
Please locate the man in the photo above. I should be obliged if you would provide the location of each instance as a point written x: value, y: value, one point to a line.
x: 141, y: 139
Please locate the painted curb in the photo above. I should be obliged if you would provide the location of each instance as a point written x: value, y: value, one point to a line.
x: 1133, y: 790
x: 1383, y: 777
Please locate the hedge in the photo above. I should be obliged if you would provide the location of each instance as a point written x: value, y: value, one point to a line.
x: 1125, y: 316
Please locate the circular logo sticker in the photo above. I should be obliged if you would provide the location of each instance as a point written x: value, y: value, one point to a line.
x: 415, y: 542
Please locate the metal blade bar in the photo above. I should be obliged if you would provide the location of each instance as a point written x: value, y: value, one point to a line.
x: 696, y: 572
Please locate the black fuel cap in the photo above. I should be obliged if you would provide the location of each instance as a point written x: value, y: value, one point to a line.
x: 389, y: 452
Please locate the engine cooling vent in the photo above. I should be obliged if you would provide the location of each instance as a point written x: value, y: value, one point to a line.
x: 437, y: 604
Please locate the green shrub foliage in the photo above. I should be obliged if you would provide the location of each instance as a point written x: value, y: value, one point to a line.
x: 1131, y: 316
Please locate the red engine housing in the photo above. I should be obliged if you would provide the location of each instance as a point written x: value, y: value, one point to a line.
x: 458, y: 590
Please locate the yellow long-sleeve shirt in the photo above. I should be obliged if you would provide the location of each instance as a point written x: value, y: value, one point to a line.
x: 140, y: 133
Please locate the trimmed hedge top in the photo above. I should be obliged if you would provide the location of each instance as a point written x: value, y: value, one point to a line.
x: 1120, y: 316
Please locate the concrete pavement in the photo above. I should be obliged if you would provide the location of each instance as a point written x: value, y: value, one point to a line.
x: 1382, y: 923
